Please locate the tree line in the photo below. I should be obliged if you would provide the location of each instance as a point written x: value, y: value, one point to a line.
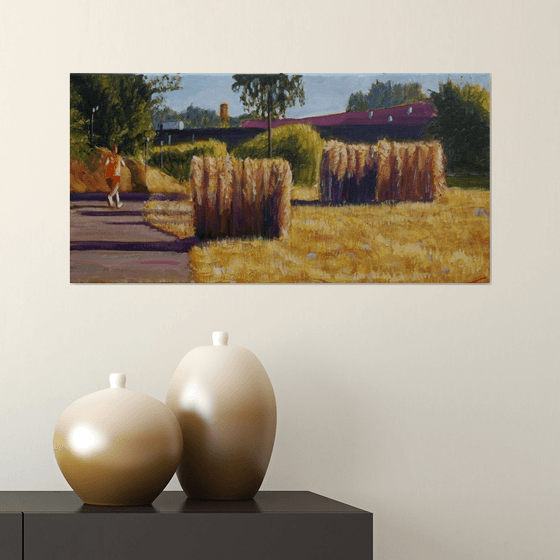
x: 108, y: 109
x: 194, y: 117
x: 383, y: 95
x: 462, y: 125
x: 125, y: 109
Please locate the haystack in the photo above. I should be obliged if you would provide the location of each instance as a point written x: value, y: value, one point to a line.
x: 388, y: 171
x: 249, y: 198
x: 347, y: 173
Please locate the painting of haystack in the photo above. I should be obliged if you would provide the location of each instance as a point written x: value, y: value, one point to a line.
x: 394, y: 188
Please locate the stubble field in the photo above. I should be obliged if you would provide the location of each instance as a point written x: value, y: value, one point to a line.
x: 445, y: 241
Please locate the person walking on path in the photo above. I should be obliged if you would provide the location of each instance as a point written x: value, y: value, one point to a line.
x: 113, y: 176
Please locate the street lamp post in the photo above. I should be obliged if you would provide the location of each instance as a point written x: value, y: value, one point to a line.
x: 93, y: 109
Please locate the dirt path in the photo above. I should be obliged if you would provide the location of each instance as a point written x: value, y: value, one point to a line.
x: 109, y: 245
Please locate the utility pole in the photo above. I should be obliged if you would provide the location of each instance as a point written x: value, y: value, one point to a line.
x: 93, y: 109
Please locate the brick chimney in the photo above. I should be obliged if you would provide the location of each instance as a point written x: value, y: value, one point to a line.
x: 224, y: 116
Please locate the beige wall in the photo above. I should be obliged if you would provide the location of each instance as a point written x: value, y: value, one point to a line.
x: 434, y: 407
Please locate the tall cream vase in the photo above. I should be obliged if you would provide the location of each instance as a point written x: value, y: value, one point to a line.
x: 225, y: 405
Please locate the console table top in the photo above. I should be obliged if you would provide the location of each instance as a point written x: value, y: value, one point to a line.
x: 176, y: 502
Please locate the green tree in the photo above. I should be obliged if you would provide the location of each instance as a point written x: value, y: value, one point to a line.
x: 385, y: 94
x: 164, y: 114
x: 299, y: 144
x: 462, y: 125
x: 268, y: 96
x: 123, y: 106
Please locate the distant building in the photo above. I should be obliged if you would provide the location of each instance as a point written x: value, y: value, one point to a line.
x: 224, y: 115
x: 410, y: 115
x: 406, y: 122
x: 175, y: 125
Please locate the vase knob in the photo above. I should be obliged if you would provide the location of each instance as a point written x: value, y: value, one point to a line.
x: 220, y: 338
x: 117, y: 380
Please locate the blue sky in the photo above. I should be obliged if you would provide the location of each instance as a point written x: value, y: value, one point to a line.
x: 324, y: 93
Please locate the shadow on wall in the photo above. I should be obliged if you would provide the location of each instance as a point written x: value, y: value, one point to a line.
x: 330, y: 426
x: 392, y: 542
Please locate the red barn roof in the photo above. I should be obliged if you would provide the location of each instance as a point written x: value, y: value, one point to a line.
x: 412, y: 114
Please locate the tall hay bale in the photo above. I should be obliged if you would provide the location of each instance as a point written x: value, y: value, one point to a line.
x: 352, y: 163
x: 396, y: 172
x: 241, y: 197
x: 342, y: 168
x: 199, y: 194
x: 438, y: 171
x: 248, y: 192
x: 327, y: 161
x: 270, y: 210
x: 361, y: 161
x: 237, y: 197
x: 281, y: 202
x: 225, y: 194
x: 371, y: 157
x: 422, y: 171
x: 260, y: 200
x: 429, y: 180
x: 219, y: 202
x: 324, y: 176
x: 333, y: 161
x: 333, y: 157
x: 285, y: 214
x: 350, y: 181
x: 368, y: 184
x: 408, y: 171
x: 211, y: 187
x: 269, y: 185
x: 383, y: 171
x: 267, y: 189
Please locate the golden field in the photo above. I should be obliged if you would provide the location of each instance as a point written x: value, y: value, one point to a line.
x: 445, y: 241
x: 172, y: 216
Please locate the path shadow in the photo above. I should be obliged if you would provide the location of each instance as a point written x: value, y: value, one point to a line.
x: 81, y: 207
x: 112, y: 213
x: 175, y: 246
x: 126, y: 196
x: 138, y: 223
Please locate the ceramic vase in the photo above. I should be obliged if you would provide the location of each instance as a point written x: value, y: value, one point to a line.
x: 118, y: 447
x: 225, y: 405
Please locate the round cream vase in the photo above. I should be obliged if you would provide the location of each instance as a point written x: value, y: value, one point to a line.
x: 224, y: 402
x: 117, y: 447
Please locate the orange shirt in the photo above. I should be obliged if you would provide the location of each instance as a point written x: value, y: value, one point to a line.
x: 113, y: 165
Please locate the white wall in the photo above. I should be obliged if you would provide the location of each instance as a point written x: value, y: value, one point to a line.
x: 434, y: 407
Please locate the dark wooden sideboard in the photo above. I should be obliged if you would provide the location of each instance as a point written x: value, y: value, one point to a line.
x: 273, y: 526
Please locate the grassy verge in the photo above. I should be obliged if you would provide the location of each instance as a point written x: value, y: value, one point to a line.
x: 306, y: 193
x: 468, y: 182
x: 444, y: 241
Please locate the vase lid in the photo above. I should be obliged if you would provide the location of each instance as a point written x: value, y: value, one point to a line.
x: 220, y: 338
x: 117, y: 381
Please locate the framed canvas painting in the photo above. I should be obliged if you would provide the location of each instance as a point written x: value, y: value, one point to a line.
x: 280, y: 178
